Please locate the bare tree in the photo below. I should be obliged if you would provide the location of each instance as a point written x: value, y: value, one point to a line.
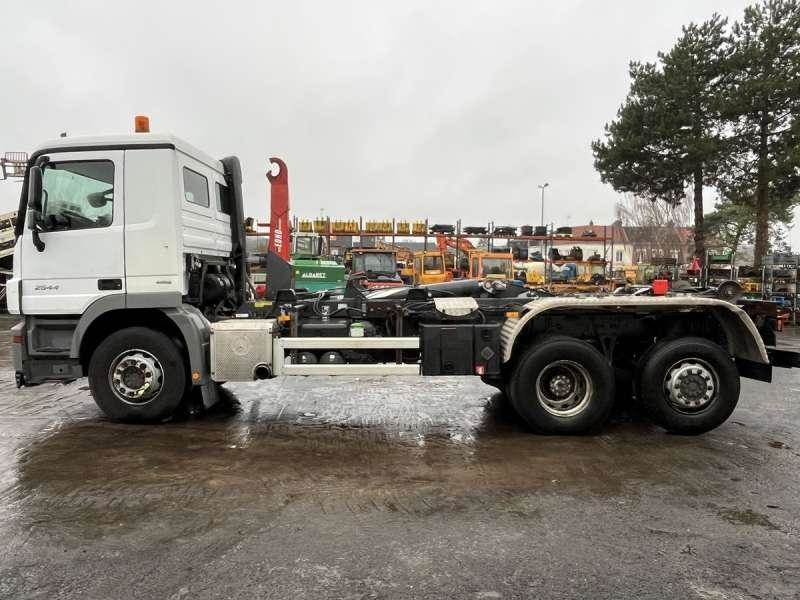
x: 656, y: 229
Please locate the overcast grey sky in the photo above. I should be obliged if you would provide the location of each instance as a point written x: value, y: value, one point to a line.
x: 382, y: 109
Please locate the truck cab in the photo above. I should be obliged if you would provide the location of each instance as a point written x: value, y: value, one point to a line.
x: 374, y: 268
x: 311, y: 267
x: 491, y: 265
x: 123, y: 231
x: 429, y: 267
x: 105, y: 229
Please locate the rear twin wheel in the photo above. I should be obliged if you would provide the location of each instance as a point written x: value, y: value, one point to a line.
x: 563, y: 385
x: 689, y: 385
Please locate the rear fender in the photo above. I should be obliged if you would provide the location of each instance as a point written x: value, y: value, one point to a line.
x: 744, y: 341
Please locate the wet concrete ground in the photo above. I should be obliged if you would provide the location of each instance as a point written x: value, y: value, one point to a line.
x: 401, y: 488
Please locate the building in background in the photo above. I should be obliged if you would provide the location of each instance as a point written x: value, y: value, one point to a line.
x: 653, y: 242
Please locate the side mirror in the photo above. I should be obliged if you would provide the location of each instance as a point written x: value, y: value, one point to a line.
x: 35, y: 188
x: 35, y: 205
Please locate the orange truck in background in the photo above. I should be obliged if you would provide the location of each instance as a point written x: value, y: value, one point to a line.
x: 491, y: 265
x: 429, y: 267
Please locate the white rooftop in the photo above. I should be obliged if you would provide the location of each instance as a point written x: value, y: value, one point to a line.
x: 133, y: 139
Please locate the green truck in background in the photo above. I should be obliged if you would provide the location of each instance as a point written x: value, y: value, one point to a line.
x: 310, y: 269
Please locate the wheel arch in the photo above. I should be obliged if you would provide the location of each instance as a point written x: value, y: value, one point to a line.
x: 743, y: 340
x: 185, y: 324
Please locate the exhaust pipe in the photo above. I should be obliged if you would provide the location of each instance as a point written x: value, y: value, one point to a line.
x: 262, y: 371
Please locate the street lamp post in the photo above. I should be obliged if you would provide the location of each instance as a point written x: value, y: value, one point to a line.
x: 541, y: 187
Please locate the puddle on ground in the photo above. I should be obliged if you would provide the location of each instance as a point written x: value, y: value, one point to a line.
x: 747, y: 517
x: 302, y: 446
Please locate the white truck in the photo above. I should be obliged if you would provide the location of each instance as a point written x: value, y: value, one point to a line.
x: 130, y: 269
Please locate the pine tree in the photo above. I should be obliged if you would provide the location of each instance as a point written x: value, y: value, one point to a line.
x: 733, y: 223
x: 667, y: 133
x: 763, y: 111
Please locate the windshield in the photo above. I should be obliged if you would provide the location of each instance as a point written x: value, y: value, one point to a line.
x: 375, y: 262
x: 78, y: 194
x: 305, y: 245
x: 432, y: 263
x: 496, y: 266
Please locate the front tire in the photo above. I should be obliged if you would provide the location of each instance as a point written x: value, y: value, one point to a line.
x: 137, y: 375
x: 689, y: 385
x: 563, y: 386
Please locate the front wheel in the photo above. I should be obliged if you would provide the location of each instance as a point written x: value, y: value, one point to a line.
x: 137, y: 374
x: 563, y: 385
x: 689, y: 385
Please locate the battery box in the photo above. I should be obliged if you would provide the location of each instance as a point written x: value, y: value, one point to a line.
x: 460, y: 349
x: 330, y: 328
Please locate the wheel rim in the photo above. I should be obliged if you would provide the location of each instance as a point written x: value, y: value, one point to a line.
x: 691, y: 385
x: 136, y: 377
x: 564, y: 388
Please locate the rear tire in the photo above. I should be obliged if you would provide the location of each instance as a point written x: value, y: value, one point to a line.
x: 689, y: 385
x: 137, y: 375
x: 563, y: 386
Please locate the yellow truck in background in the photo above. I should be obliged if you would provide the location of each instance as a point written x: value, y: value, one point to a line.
x: 429, y: 267
x: 490, y: 265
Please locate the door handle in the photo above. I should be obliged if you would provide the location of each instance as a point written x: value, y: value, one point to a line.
x: 109, y: 284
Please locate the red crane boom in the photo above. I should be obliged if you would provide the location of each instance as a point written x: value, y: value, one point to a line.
x: 279, y: 232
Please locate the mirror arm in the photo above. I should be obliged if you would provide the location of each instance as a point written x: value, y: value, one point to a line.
x: 37, y: 241
x: 35, y: 217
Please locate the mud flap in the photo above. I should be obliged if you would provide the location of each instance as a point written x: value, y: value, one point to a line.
x: 787, y: 359
x: 754, y: 370
x: 210, y: 394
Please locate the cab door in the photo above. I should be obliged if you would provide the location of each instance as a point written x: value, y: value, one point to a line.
x: 82, y: 230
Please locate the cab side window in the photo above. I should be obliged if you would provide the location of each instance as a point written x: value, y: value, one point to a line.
x: 223, y: 199
x: 195, y: 187
x: 77, y: 194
